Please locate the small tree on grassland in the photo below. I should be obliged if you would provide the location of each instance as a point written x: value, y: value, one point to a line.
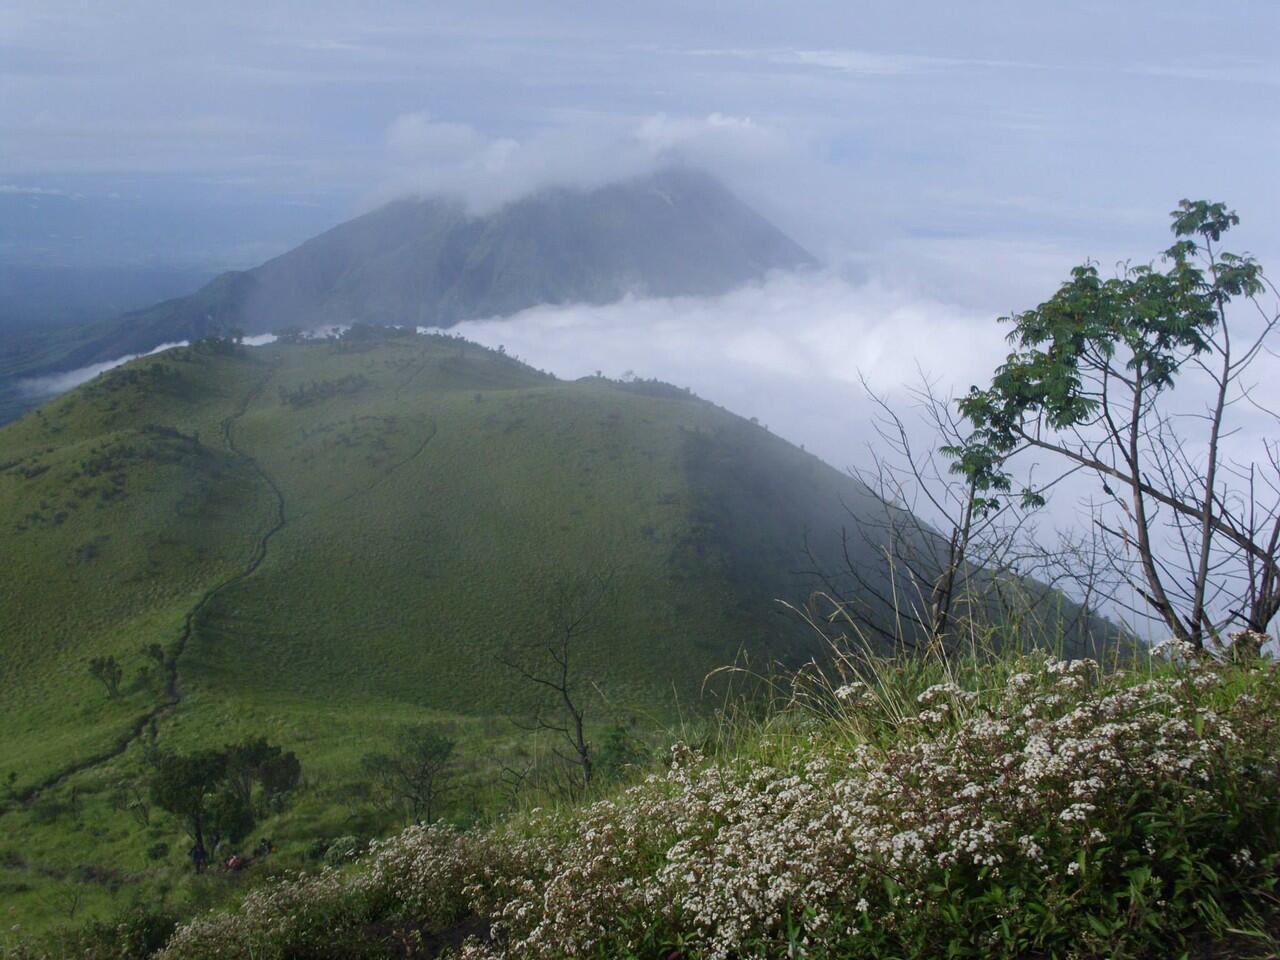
x: 108, y: 672
x: 549, y: 656
x: 417, y: 775
x: 1191, y: 514
x: 155, y: 653
x: 185, y: 785
x: 211, y: 791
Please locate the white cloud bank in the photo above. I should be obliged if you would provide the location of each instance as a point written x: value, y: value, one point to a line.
x: 788, y: 351
x: 11, y: 189
x: 54, y: 384
x: 57, y: 383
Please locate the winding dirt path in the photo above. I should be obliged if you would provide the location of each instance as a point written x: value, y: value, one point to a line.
x: 173, y: 691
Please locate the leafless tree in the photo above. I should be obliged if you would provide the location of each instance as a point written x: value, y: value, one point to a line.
x: 549, y: 657
x: 515, y: 775
x: 69, y: 899
x: 920, y: 561
x: 129, y: 796
x: 416, y: 777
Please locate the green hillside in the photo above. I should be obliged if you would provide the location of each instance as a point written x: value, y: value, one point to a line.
x: 328, y: 537
x: 428, y: 488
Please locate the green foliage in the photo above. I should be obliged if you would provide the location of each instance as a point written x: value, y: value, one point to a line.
x: 155, y: 653
x: 343, y: 850
x: 108, y: 672
x: 1154, y: 320
x: 134, y: 934
x: 621, y: 753
x: 1088, y: 384
x: 306, y: 394
x: 256, y: 761
x: 416, y: 777
x: 187, y: 786
x: 225, y: 345
x: 211, y: 791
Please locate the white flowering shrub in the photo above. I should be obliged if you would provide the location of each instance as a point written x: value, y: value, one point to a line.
x: 1063, y: 813
x: 415, y: 879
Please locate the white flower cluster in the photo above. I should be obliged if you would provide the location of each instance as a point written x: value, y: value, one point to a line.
x: 419, y: 873
x: 738, y: 856
x: 855, y: 694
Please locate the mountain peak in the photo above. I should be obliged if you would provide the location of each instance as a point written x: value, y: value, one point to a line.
x: 425, y: 261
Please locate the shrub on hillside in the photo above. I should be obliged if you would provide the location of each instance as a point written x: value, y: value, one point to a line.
x: 133, y: 935
x: 342, y: 850
x: 1062, y: 811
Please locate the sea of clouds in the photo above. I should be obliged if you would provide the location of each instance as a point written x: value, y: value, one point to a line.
x: 792, y: 351
x: 56, y: 383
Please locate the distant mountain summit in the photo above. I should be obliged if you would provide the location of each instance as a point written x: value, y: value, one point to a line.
x: 428, y: 262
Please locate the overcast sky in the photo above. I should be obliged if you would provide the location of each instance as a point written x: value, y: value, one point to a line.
x: 947, y: 161
x: 1034, y: 124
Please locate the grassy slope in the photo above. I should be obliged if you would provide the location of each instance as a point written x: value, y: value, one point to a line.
x: 429, y: 491
x: 426, y: 502
x: 114, y: 531
x: 988, y: 806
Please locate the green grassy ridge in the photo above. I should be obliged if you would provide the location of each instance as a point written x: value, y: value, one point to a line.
x: 119, y: 525
x: 418, y: 493
x: 340, y: 537
x: 473, y: 502
x: 429, y: 489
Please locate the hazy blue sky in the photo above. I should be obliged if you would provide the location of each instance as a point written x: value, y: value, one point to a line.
x: 1022, y: 126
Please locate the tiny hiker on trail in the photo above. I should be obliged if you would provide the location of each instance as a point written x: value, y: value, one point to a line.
x: 199, y: 857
